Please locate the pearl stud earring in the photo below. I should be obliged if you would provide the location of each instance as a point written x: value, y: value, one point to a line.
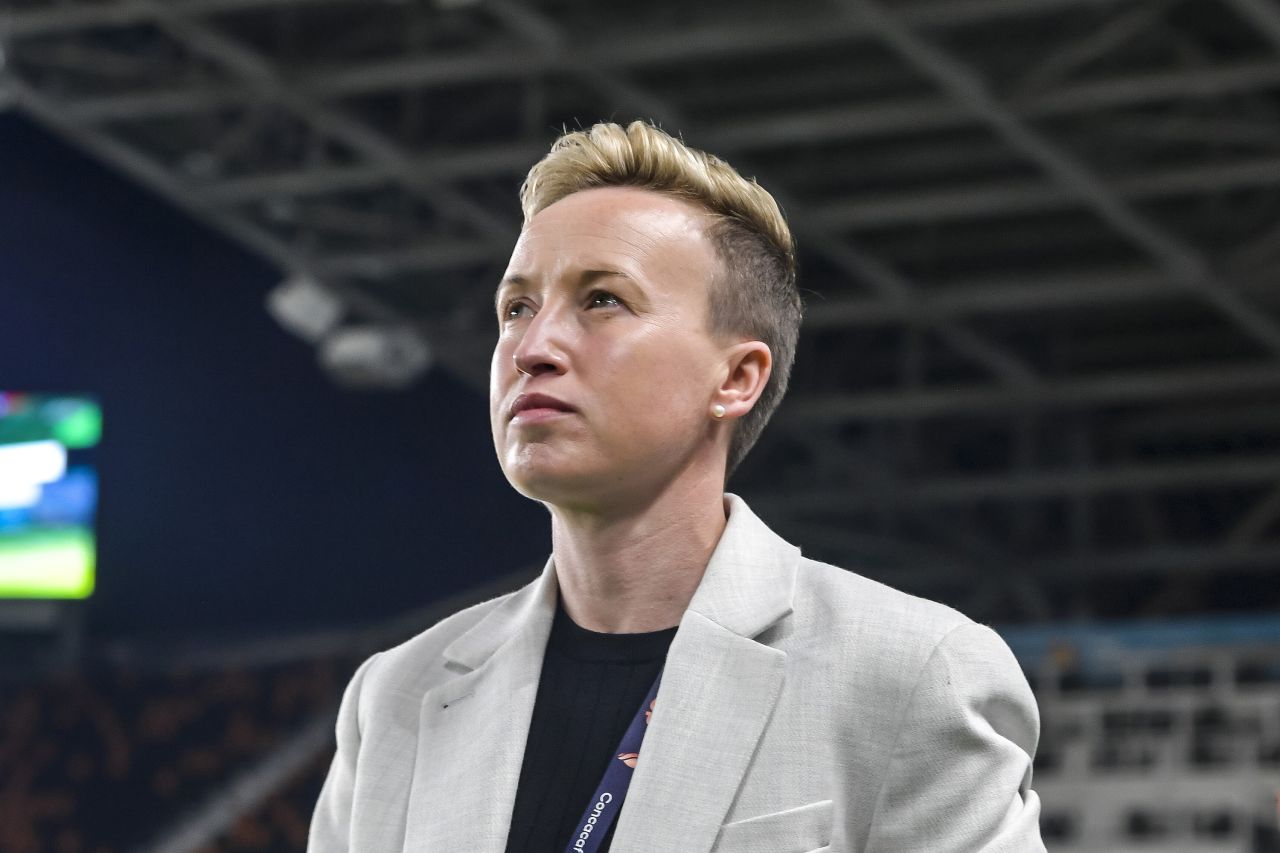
x: 717, y: 410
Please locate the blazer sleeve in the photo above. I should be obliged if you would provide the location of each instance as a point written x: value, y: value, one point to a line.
x: 331, y: 822
x: 959, y: 779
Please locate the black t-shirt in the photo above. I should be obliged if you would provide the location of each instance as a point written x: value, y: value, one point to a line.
x: 590, y: 688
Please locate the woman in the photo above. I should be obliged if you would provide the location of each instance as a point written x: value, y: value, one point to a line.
x: 679, y: 677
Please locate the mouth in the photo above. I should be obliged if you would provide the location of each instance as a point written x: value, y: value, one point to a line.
x: 530, y: 407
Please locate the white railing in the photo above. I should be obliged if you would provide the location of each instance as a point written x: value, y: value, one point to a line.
x: 1150, y: 764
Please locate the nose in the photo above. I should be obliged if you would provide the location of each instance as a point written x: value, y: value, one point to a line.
x: 541, y: 347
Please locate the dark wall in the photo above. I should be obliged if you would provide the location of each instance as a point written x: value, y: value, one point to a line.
x: 240, y: 487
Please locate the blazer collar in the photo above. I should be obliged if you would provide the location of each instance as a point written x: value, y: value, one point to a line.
x: 747, y: 587
x: 718, y: 690
x: 532, y: 604
x: 750, y: 578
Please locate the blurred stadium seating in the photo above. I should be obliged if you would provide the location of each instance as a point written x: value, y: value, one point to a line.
x: 99, y: 759
x: 212, y: 745
x: 1176, y: 750
x: 1148, y: 743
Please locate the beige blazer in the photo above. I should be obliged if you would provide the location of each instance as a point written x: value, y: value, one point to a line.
x: 803, y: 708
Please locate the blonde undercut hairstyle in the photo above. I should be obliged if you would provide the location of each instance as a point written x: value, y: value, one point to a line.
x: 755, y: 296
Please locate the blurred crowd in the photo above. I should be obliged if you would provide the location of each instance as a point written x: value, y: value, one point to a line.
x: 1161, y: 752
x: 101, y: 761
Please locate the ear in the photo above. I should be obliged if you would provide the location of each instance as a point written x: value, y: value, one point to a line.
x: 747, y: 366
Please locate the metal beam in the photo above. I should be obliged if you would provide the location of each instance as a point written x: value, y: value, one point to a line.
x: 159, y: 103
x: 928, y: 113
x: 1256, y: 521
x: 992, y: 296
x: 1109, y: 36
x: 1254, y: 416
x: 800, y: 126
x: 645, y: 48
x: 458, y: 350
x: 894, y: 287
x: 852, y: 215
x: 875, y: 549
x: 257, y: 73
x: 1022, y: 197
x: 1184, y: 263
x: 1018, y: 485
x: 1179, y: 559
x: 438, y: 166
x: 154, y: 177
x: 69, y: 17
x: 436, y: 256
x: 1004, y: 363
x: 545, y: 36
x: 1264, y: 15
x: 933, y: 572
x: 1134, y: 388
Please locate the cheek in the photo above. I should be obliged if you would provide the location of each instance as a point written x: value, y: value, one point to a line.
x: 498, y: 385
x: 667, y: 386
x: 502, y: 370
x: 501, y: 355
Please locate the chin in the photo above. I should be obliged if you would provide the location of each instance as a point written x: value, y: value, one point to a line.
x: 559, y: 485
x: 539, y: 478
x: 550, y: 496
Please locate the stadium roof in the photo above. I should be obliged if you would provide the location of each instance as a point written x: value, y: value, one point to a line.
x: 1040, y: 238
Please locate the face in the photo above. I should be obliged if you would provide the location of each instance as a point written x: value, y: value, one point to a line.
x: 604, y: 308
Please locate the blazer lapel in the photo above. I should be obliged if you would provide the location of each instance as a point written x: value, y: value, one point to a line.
x: 718, y: 691
x: 473, y: 729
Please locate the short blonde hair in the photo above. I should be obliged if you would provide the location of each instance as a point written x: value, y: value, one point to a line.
x: 756, y: 295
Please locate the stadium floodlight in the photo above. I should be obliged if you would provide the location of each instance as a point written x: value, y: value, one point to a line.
x: 305, y: 308
x: 375, y: 356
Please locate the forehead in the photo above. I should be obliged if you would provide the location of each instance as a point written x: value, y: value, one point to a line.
x: 626, y: 223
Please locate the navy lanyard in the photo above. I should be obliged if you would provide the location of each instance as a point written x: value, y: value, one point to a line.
x: 612, y: 789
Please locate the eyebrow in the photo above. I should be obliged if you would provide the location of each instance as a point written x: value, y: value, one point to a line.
x: 511, y: 282
x: 516, y: 282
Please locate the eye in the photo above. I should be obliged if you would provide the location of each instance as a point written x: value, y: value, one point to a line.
x: 511, y: 310
x: 603, y: 298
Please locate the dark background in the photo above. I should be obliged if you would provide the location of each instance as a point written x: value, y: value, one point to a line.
x: 240, y: 488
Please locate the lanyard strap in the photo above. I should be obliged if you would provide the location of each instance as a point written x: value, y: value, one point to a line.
x: 613, y: 786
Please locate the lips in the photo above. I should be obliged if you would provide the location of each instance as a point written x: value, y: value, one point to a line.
x: 537, y: 401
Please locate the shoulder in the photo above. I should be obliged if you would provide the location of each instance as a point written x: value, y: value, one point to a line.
x: 918, y: 658
x: 854, y: 606
x: 891, y: 636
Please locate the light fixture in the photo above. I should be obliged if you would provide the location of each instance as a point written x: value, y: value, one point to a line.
x: 375, y: 356
x: 305, y: 308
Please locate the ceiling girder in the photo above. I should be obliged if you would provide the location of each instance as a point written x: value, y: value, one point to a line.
x: 1183, y: 262
x: 258, y: 74
x: 1262, y: 14
x: 689, y: 43
x: 1101, y: 566
x: 1019, y: 485
x: 1030, y: 197
x: 1262, y: 516
x: 992, y: 297
x: 546, y: 36
x: 1129, y: 388
x: 1215, y: 119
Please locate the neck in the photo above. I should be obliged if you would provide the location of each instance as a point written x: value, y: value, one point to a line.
x: 635, y: 570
